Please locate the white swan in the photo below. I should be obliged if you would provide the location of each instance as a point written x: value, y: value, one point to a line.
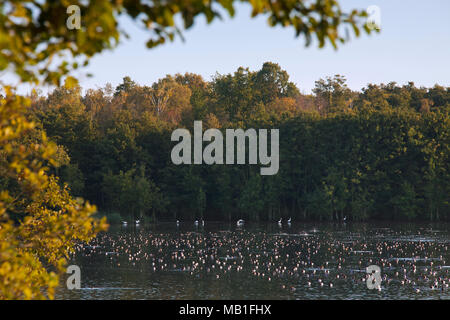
x: 196, y: 222
x: 279, y: 221
x: 289, y: 220
x: 137, y: 221
x: 178, y: 222
x: 240, y: 222
x: 124, y: 223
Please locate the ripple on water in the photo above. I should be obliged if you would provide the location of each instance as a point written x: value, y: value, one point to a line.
x: 258, y: 263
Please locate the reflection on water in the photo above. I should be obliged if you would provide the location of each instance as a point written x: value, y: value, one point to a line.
x: 264, y: 261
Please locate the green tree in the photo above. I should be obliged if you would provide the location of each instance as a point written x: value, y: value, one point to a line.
x: 126, y: 86
x: 41, y: 238
x: 271, y: 82
x: 34, y: 32
x: 333, y: 94
x: 250, y: 202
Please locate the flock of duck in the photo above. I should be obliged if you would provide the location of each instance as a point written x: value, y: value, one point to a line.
x: 299, y: 259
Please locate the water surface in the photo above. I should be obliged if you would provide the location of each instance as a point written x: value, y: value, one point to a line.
x: 264, y: 261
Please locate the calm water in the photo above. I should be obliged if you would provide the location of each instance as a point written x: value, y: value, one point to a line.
x: 264, y: 261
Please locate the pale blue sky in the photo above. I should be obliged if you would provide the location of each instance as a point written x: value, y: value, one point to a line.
x: 414, y: 45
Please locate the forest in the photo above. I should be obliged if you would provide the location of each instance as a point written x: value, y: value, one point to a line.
x: 378, y: 153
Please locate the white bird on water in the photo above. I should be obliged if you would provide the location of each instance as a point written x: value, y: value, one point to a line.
x: 178, y: 222
x: 137, y: 221
x: 196, y: 222
x: 279, y: 221
x: 203, y: 222
x: 240, y: 222
x: 124, y: 223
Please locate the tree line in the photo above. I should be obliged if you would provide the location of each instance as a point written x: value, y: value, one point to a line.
x: 378, y: 153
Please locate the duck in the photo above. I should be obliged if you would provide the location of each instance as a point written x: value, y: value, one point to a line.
x: 196, y: 222
x: 240, y: 222
x: 279, y: 221
x: 178, y: 222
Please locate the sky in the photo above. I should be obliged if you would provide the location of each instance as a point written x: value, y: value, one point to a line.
x: 413, y: 45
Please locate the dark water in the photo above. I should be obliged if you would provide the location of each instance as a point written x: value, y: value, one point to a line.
x: 264, y: 261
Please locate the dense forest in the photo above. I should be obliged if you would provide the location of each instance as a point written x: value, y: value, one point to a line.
x: 41, y: 221
x: 379, y: 153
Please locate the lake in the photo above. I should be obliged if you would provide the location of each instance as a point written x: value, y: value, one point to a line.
x: 264, y: 261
